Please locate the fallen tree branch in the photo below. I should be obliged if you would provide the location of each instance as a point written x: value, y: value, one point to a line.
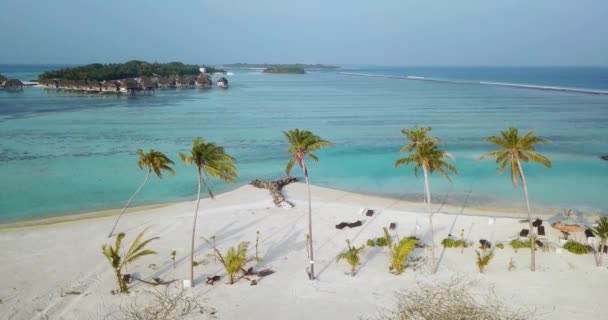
x: 275, y: 186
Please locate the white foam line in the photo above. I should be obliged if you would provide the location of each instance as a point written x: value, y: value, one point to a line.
x: 487, y: 83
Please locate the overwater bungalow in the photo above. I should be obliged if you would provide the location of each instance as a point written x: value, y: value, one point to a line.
x: 222, y: 83
x: 204, y: 81
x: 12, y: 84
x: 93, y: 86
x: 110, y: 86
x: 147, y: 84
x: 186, y: 82
x: 129, y: 86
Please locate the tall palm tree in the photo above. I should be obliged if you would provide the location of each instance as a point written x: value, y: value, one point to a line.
x: 210, y: 159
x: 154, y: 161
x: 601, y: 231
x: 416, y: 136
x: 301, y: 144
x: 513, y: 150
x: 425, y: 155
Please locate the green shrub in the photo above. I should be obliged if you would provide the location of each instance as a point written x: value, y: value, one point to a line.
x: 371, y: 243
x: 576, y: 247
x: 517, y: 244
x: 451, y: 243
x: 500, y: 246
x: 382, y: 242
x: 351, y: 255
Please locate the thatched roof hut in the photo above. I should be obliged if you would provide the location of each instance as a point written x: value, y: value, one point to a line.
x: 147, y: 84
x: 186, y: 82
x: 204, y: 81
x: 129, y: 85
x: 222, y: 82
x: 13, y: 84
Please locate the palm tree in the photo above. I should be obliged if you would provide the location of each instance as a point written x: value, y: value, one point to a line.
x: 601, y: 231
x: 513, y: 150
x: 425, y: 155
x: 417, y: 136
x: 154, y: 161
x: 302, y: 144
x: 119, y: 261
x: 213, y: 161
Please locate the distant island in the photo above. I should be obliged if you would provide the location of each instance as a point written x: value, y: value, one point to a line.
x: 130, y: 77
x: 290, y: 70
x: 131, y: 69
x: 270, y: 66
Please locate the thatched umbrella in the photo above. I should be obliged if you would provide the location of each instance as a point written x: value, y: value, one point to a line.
x: 568, y: 222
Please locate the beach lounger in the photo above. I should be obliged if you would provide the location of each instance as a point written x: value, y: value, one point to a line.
x: 342, y: 225
x: 541, y: 230
x: 537, y: 223
x: 369, y: 212
x: 393, y: 226
x: 485, y: 244
x: 524, y: 232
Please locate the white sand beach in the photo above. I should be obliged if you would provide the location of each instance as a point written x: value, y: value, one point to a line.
x: 39, y: 262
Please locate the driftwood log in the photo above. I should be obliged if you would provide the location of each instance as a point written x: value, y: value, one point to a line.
x: 275, y: 186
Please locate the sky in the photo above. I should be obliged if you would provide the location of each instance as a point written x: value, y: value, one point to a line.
x: 380, y: 32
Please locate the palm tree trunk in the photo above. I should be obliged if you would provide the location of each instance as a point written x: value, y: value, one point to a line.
x: 427, y: 189
x: 532, y: 244
x: 601, y: 253
x: 311, y: 275
x: 129, y: 202
x: 198, y: 201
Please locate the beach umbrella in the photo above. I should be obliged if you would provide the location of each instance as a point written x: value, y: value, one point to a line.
x: 569, y: 222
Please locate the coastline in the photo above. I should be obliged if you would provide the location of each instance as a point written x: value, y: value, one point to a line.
x: 328, y: 194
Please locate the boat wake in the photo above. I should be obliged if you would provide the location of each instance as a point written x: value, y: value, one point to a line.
x: 487, y: 83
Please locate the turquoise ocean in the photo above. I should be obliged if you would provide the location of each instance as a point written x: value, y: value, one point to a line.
x: 63, y: 153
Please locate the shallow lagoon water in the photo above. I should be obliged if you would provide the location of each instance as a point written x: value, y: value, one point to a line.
x: 64, y: 153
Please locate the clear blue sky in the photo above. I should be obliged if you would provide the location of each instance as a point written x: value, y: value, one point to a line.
x: 389, y: 32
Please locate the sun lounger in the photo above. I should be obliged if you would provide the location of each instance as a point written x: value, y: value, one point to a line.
x: 343, y: 225
x: 393, y: 226
x: 541, y: 230
x: 537, y: 223
x: 212, y: 280
x: 524, y: 232
x: 369, y: 212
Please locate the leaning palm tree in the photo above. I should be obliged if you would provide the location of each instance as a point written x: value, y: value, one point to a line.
x: 601, y: 231
x: 425, y: 155
x: 301, y: 144
x: 210, y: 159
x: 513, y: 150
x: 154, y: 161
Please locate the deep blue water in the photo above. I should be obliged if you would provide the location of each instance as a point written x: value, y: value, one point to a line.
x: 63, y: 153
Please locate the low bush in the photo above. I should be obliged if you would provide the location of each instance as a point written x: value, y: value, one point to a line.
x: 517, y: 244
x: 382, y: 242
x: 576, y: 247
x: 500, y: 246
x: 451, y: 243
x: 371, y: 243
